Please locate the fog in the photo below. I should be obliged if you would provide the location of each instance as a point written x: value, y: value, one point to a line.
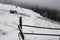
x: 53, y: 4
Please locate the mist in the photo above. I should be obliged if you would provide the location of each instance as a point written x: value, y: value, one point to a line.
x: 55, y: 4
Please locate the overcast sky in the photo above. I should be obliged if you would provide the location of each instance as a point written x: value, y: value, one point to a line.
x: 47, y: 3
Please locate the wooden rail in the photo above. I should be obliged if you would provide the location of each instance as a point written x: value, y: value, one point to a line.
x: 42, y: 34
x: 22, y: 34
x: 41, y: 27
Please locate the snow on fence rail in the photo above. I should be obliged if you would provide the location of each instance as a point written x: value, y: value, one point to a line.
x: 22, y: 34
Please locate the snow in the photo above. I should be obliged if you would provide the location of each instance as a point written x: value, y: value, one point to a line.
x: 9, y: 24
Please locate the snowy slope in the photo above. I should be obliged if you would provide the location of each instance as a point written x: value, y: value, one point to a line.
x: 9, y: 22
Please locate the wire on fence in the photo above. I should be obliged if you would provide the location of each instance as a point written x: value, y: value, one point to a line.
x: 41, y: 27
x: 42, y: 34
x: 22, y: 34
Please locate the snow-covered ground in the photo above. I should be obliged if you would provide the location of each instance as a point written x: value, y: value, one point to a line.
x: 9, y: 24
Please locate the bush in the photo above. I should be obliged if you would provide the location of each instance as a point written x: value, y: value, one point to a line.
x: 13, y: 11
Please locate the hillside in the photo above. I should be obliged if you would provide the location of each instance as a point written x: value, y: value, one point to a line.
x: 9, y: 25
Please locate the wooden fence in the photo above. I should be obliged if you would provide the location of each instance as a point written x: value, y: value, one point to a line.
x: 22, y: 34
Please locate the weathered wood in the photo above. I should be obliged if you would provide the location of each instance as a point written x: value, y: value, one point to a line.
x: 20, y: 28
x: 20, y: 22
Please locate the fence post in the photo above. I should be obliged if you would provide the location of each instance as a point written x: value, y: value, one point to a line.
x: 20, y: 29
x: 20, y: 22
